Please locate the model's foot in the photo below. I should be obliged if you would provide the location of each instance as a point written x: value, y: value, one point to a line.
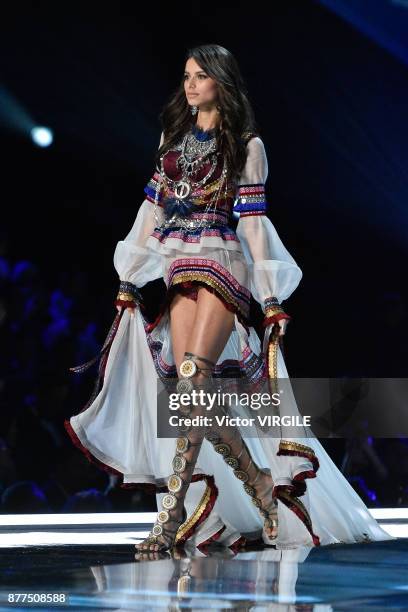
x: 166, y: 539
x: 151, y: 555
x: 173, y: 512
x: 257, y: 483
x: 269, y: 507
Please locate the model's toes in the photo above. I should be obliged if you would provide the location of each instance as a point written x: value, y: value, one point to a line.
x: 149, y: 555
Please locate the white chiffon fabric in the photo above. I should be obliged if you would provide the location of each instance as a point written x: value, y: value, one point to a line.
x: 119, y: 428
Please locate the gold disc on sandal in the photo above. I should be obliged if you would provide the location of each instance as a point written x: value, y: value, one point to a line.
x: 212, y: 437
x: 231, y: 461
x: 184, y: 386
x: 185, y: 410
x: 179, y: 463
x: 188, y: 368
x: 174, y: 483
x: 182, y: 444
x: 250, y: 490
x: 169, y: 501
x: 241, y: 475
x: 222, y: 449
x: 163, y: 516
x: 157, y: 530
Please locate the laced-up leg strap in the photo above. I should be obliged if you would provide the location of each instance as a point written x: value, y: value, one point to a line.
x: 172, y: 513
x: 170, y: 517
x: 257, y: 483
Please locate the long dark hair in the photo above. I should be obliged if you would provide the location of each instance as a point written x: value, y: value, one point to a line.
x: 236, y: 114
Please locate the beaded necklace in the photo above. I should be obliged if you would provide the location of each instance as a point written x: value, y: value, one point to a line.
x: 192, y: 145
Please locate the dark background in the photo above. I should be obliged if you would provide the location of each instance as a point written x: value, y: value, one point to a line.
x: 330, y: 97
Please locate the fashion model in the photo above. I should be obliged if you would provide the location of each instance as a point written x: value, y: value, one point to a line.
x: 212, y: 483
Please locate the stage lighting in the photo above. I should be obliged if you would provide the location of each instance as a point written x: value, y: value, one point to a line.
x: 42, y: 136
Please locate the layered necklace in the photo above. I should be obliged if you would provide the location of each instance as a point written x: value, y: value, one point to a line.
x: 194, y: 152
x: 195, y: 148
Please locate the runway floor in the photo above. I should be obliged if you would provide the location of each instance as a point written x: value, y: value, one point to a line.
x: 85, y: 562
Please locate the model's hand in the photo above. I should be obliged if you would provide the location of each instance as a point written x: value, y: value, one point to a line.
x: 130, y: 309
x: 282, y: 325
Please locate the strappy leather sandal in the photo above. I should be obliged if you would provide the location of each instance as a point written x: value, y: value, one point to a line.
x: 163, y: 535
x: 164, y: 531
x: 236, y: 462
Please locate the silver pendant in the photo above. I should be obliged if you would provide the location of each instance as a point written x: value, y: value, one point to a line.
x: 182, y: 190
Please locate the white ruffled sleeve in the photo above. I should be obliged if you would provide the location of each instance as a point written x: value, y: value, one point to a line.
x: 133, y: 261
x: 274, y: 274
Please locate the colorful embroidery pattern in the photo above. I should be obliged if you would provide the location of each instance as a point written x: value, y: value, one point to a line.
x: 251, y: 200
x: 194, y: 236
x: 150, y: 189
x: 215, y: 275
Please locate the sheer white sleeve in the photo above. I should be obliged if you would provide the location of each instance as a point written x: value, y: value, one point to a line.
x: 133, y: 261
x: 274, y: 274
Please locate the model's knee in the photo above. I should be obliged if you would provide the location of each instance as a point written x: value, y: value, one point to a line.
x: 182, y: 315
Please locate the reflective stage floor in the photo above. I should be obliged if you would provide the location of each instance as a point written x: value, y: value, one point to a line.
x: 89, y: 560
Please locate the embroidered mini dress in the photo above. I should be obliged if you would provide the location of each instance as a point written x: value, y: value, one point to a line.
x: 117, y: 429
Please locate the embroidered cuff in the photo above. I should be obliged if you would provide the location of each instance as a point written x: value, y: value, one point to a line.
x: 151, y: 188
x: 128, y: 295
x: 250, y: 200
x: 273, y: 312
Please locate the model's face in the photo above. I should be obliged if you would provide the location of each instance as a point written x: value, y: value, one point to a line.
x: 200, y: 89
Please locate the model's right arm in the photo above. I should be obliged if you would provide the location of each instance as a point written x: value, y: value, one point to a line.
x: 136, y: 264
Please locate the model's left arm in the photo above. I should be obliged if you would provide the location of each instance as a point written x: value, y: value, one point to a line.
x: 274, y: 274
x: 135, y: 264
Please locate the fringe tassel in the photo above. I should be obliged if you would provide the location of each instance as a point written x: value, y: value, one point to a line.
x: 289, y: 494
x: 103, y: 358
x: 274, y: 341
x: 106, y: 346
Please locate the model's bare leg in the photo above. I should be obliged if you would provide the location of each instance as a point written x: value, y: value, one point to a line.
x: 212, y: 328
x: 182, y: 316
x: 213, y: 325
x: 258, y: 484
x: 201, y: 327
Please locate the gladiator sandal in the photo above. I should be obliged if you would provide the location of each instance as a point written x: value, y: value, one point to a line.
x: 164, y: 531
x: 169, y: 518
x: 189, y: 368
x: 246, y: 470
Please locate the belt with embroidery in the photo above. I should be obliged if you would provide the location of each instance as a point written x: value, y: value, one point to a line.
x: 190, y: 223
